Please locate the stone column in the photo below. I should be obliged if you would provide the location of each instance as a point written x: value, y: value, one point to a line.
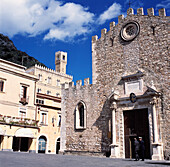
x: 19, y: 145
x: 7, y: 143
x: 114, y: 145
x: 32, y: 144
x: 156, y: 146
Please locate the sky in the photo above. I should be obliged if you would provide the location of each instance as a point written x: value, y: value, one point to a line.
x: 42, y: 27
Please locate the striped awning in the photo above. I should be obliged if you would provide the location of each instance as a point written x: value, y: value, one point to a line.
x: 2, y: 132
x: 24, y: 132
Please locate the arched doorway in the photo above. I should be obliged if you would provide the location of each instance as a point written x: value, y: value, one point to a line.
x: 42, y: 141
x: 57, y: 145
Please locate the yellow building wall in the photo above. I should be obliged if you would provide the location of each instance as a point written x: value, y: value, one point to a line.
x: 14, y: 76
x: 9, y: 99
x: 52, y: 130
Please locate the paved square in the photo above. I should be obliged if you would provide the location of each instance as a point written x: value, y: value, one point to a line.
x: 15, y: 159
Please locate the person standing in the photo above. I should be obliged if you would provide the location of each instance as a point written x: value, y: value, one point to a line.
x: 142, y: 148
x: 137, y: 145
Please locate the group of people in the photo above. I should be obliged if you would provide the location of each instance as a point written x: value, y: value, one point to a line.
x: 139, y: 149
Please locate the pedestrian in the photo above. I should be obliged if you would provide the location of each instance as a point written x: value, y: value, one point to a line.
x: 142, y: 148
x: 137, y: 146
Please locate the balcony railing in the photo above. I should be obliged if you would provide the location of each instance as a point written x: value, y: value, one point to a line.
x: 18, y: 121
x: 23, y: 100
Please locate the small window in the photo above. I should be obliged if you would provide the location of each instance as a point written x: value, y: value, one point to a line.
x: 23, y: 92
x: 40, y: 77
x: 57, y: 94
x: 1, y: 85
x: 58, y: 57
x: 22, y: 113
x: 39, y: 101
x: 44, y: 117
x: 59, y: 120
x: 48, y: 92
x: 24, y: 95
x: 49, y: 80
x: 58, y: 82
x: 80, y: 116
x: 39, y: 90
x: 64, y: 57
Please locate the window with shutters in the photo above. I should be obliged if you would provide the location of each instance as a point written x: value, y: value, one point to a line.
x: 23, y: 94
x: 44, y: 117
x: 22, y: 113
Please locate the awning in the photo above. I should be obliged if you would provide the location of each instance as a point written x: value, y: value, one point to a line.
x: 24, y: 132
x: 2, y: 132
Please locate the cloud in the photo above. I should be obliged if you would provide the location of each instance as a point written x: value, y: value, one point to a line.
x: 51, y: 18
x: 75, y: 21
x: 31, y: 18
x: 113, y: 11
x: 163, y: 4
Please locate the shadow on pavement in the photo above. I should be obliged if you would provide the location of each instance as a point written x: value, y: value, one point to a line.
x: 159, y: 163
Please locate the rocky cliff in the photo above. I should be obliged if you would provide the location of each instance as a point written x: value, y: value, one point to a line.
x: 9, y: 52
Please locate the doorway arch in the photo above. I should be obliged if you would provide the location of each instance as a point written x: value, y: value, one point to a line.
x: 42, y: 143
x: 57, y: 145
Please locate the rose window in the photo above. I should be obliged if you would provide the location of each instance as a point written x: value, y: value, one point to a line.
x: 130, y: 31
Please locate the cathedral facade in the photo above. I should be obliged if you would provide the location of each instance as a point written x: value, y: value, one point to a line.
x: 129, y: 94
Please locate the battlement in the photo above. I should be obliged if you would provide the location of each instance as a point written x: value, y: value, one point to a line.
x: 78, y: 84
x: 130, y: 12
x: 53, y: 71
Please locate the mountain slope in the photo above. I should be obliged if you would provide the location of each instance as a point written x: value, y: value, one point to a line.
x: 9, y: 52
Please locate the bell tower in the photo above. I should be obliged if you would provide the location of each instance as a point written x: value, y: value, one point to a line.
x: 60, y: 61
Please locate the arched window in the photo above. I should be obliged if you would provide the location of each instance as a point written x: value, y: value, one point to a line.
x: 42, y: 144
x: 80, y: 115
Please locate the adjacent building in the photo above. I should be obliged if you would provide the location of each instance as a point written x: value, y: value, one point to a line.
x: 30, y: 106
x: 48, y: 103
x: 129, y: 97
x: 18, y: 123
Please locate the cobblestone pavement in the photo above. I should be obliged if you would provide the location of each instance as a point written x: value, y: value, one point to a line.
x: 9, y: 159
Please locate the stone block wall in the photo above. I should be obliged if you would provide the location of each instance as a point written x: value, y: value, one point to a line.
x: 113, y: 58
x: 90, y: 140
x: 148, y: 52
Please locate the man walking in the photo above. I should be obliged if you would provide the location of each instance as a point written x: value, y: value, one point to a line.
x: 137, y: 145
x: 142, y: 148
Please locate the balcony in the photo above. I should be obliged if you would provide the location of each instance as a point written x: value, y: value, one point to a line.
x: 23, y: 100
x: 18, y: 121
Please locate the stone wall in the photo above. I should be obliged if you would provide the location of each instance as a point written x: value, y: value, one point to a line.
x: 88, y: 139
x: 113, y: 58
x: 148, y: 52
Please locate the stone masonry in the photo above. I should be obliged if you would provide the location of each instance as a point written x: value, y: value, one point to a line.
x: 118, y: 64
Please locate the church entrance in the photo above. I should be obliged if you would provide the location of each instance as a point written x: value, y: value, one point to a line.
x: 136, y: 125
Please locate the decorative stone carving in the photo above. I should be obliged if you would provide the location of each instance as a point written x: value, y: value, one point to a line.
x: 153, y: 101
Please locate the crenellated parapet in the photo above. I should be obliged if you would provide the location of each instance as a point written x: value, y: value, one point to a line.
x: 52, y: 71
x: 78, y: 84
x: 130, y: 12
